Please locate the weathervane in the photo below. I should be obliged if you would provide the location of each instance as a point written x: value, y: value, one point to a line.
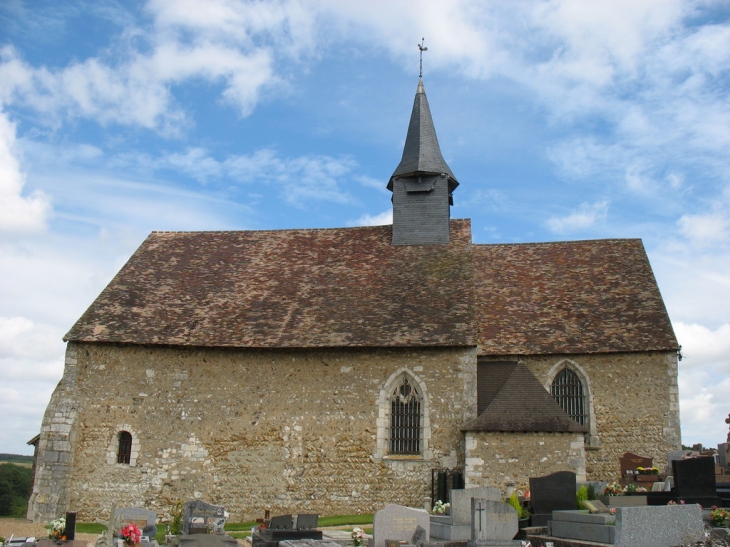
x: 422, y: 48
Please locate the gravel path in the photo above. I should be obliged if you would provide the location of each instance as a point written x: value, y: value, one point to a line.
x: 24, y: 528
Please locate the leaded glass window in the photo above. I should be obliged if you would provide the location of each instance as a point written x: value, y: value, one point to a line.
x: 567, y: 390
x: 405, y: 419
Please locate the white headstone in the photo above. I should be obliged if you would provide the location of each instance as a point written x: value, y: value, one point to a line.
x: 399, y: 523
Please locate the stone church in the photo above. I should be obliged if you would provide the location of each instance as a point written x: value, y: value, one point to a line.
x: 333, y: 371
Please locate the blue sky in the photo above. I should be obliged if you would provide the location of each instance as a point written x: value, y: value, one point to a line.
x: 562, y: 120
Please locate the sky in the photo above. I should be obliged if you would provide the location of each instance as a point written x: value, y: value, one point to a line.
x: 561, y: 119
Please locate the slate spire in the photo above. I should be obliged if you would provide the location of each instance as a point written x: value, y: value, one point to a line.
x: 423, y: 183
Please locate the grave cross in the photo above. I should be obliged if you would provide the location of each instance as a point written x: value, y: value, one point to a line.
x: 480, y: 510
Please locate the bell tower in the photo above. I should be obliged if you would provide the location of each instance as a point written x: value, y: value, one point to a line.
x: 422, y: 184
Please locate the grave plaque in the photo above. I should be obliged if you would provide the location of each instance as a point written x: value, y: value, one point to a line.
x: 595, y: 506
x: 493, y: 520
x: 555, y: 492
x: 420, y: 536
x: 200, y: 517
x: 398, y: 523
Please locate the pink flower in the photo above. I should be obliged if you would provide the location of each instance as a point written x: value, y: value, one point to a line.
x: 131, y: 533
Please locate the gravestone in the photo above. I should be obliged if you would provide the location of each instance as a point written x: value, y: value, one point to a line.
x: 281, y: 528
x: 398, y: 523
x: 659, y: 526
x: 555, y: 492
x: 199, y: 517
x: 694, y: 481
x: 461, y: 502
x: 493, y: 523
x: 629, y: 462
x: 456, y: 526
x: 144, y: 519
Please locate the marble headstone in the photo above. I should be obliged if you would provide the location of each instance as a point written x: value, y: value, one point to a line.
x: 397, y: 522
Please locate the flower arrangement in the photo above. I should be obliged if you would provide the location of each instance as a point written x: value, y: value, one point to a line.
x: 131, y: 534
x: 358, y: 536
x: 672, y: 502
x: 613, y: 489
x: 648, y: 470
x: 57, y: 529
x: 441, y: 508
x: 719, y: 516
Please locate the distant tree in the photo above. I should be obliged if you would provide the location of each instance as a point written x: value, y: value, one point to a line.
x: 14, y: 487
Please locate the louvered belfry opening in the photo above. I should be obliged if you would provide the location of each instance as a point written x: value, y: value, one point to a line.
x: 567, y: 390
x: 124, y: 452
x: 405, y: 419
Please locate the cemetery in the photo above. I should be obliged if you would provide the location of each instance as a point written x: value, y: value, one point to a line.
x: 685, y: 502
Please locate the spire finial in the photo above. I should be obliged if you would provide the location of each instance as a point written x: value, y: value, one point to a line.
x: 422, y: 48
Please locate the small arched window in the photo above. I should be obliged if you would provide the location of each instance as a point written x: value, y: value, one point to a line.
x: 568, y: 391
x: 124, y: 452
x: 405, y: 419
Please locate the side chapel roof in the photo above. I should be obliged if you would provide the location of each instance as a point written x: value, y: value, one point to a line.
x: 516, y: 401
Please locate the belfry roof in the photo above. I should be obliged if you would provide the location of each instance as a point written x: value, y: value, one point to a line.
x: 421, y: 152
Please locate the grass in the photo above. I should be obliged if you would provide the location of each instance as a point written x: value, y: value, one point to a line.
x: 241, y: 530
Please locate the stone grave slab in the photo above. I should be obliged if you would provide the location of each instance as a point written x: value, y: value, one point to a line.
x: 397, y: 522
x: 694, y: 480
x: 307, y: 521
x: 199, y: 517
x: 554, y: 492
x: 583, y: 526
x: 492, y: 520
x: 308, y: 543
x: 144, y: 518
x: 207, y: 540
x: 659, y: 526
x: 281, y: 528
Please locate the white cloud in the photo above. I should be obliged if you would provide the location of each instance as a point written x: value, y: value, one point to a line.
x: 17, y: 213
x: 381, y: 219
x: 585, y: 217
x: 706, y: 229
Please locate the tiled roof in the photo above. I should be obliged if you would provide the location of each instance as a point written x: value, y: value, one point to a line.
x: 350, y: 287
x: 569, y: 297
x: 518, y: 402
x: 288, y: 288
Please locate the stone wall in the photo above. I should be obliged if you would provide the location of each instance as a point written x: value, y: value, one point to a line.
x: 290, y: 431
x: 503, y: 460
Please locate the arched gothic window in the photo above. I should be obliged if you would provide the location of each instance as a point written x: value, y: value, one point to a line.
x: 124, y: 452
x: 568, y: 391
x: 405, y: 419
